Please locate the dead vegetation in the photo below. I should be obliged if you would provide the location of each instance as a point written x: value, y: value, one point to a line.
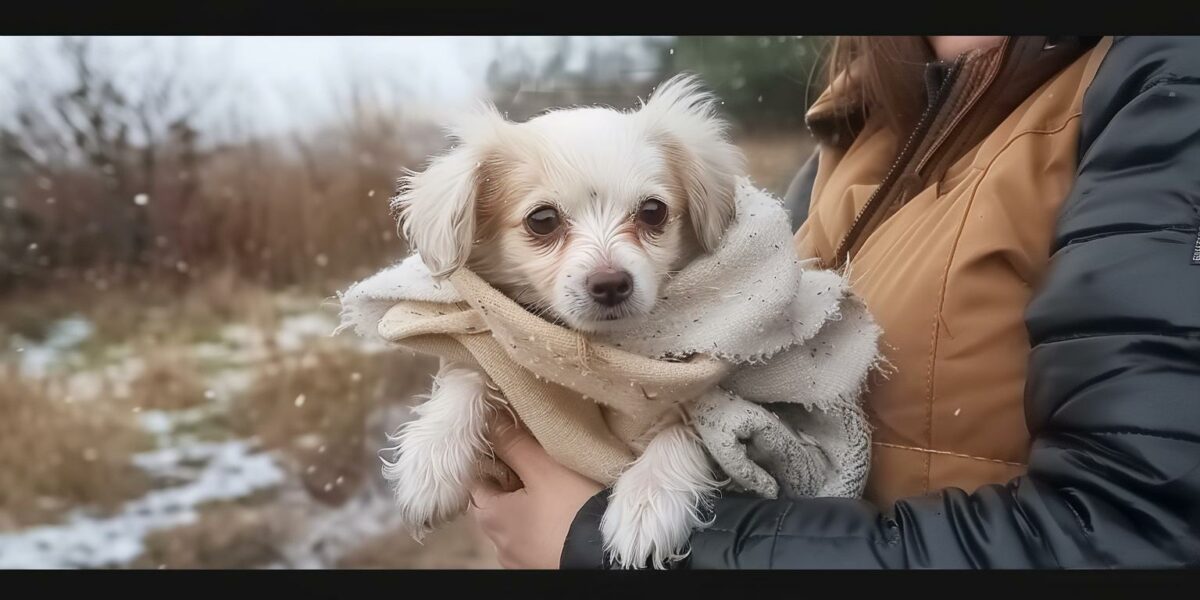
x: 314, y: 406
x: 56, y: 454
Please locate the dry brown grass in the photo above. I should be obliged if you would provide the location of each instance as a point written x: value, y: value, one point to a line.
x: 169, y: 381
x: 279, y: 221
x: 149, y: 313
x: 56, y: 454
x: 314, y: 407
x: 227, y: 535
x: 457, y: 545
x: 310, y: 211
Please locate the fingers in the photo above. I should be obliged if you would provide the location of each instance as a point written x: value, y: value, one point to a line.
x: 489, y: 501
x: 518, y: 449
x: 484, y: 493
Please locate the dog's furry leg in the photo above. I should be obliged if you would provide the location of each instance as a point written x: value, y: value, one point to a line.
x: 659, y: 500
x: 437, y: 454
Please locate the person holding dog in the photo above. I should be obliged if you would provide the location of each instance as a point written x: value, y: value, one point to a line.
x: 1022, y: 216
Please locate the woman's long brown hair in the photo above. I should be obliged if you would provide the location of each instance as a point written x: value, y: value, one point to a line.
x: 887, y: 78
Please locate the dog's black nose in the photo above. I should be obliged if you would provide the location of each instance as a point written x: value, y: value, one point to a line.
x: 609, y: 286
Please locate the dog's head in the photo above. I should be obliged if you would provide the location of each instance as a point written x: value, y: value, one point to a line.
x: 579, y: 213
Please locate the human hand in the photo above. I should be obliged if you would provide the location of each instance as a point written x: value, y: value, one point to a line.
x: 528, y: 526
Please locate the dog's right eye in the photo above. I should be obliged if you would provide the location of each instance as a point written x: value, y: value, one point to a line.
x: 543, y: 221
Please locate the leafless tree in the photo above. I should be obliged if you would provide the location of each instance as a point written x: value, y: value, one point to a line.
x: 92, y: 126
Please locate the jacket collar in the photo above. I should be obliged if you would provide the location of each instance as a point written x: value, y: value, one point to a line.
x: 1007, y: 75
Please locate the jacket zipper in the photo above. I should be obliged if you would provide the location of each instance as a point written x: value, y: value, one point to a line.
x: 995, y: 72
x: 875, y: 200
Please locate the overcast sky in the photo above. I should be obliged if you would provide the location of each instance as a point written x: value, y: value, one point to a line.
x: 284, y: 82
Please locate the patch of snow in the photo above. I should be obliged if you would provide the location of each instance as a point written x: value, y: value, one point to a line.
x: 157, y: 422
x: 227, y: 383
x: 232, y: 470
x: 162, y: 424
x: 37, y: 359
x: 294, y: 332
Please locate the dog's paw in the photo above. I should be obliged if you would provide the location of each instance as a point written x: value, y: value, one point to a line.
x: 657, y: 502
x: 437, y: 454
x: 428, y: 492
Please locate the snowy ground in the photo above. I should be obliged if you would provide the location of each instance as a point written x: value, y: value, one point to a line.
x: 231, y: 469
x: 191, y: 472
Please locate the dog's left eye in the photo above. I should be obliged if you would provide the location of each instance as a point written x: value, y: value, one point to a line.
x: 652, y: 212
x: 543, y: 221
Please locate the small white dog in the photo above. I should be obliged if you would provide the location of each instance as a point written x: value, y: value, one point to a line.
x: 580, y: 215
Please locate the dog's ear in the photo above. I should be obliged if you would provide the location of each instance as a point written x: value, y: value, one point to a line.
x: 681, y: 118
x: 437, y: 207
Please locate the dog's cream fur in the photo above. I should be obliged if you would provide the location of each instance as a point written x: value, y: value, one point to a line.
x: 595, y: 167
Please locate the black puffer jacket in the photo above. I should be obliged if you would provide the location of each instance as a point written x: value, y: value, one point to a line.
x: 1113, y: 390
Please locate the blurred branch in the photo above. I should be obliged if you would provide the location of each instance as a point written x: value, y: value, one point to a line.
x: 87, y: 114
